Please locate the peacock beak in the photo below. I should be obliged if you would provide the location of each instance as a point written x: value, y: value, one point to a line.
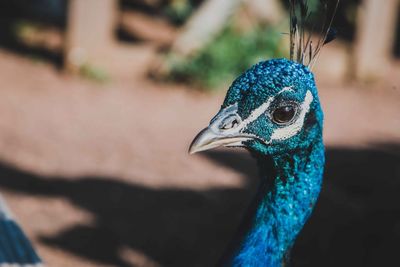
x: 208, y: 139
x: 225, y: 129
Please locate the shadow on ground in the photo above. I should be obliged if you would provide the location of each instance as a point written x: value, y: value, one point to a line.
x: 356, y: 221
x: 172, y: 227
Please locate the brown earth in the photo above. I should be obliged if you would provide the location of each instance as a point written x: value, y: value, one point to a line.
x: 99, y: 175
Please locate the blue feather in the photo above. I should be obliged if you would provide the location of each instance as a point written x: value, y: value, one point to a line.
x: 15, y: 248
x: 289, y: 151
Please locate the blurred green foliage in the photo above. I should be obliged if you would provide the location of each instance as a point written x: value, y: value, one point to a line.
x: 228, y: 55
x: 179, y: 10
x: 21, y: 28
x: 94, y: 73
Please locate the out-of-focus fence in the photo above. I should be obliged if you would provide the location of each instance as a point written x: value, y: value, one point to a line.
x: 90, y: 35
x: 91, y: 25
x: 376, y: 27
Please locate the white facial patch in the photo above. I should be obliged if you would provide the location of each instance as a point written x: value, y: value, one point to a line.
x: 291, y: 130
x: 262, y: 109
x: 238, y: 130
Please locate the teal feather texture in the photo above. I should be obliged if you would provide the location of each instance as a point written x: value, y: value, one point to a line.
x: 290, y: 155
x: 291, y: 169
x: 15, y: 248
x: 273, y: 110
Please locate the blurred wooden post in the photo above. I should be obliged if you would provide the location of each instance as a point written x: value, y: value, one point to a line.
x: 212, y: 17
x: 375, y: 38
x: 90, y: 32
x: 269, y: 11
x: 209, y: 20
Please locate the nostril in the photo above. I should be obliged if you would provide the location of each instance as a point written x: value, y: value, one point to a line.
x: 235, y: 123
x: 229, y: 124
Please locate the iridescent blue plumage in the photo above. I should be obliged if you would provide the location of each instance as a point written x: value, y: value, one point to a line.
x: 15, y: 248
x: 284, y: 203
x: 291, y: 169
x: 265, y: 80
x: 273, y: 110
x: 290, y: 155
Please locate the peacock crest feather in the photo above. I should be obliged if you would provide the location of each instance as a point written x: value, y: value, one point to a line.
x: 305, y: 49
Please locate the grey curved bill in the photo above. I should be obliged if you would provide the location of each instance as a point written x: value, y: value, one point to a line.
x: 208, y: 139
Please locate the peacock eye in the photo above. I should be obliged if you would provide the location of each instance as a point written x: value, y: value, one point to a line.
x: 284, y: 114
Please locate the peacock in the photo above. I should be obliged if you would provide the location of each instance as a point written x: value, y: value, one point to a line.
x: 273, y: 110
x: 15, y: 248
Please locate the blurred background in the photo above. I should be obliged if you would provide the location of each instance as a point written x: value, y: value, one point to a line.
x: 100, y: 99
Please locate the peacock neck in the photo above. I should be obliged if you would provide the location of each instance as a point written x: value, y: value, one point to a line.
x: 289, y: 188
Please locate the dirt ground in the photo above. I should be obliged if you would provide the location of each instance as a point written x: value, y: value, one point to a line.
x: 99, y: 175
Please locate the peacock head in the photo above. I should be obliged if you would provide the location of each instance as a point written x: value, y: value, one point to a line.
x: 270, y: 109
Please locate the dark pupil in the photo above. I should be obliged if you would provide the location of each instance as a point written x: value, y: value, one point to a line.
x: 283, y: 114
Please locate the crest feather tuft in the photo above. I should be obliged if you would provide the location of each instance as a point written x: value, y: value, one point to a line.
x: 303, y: 49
